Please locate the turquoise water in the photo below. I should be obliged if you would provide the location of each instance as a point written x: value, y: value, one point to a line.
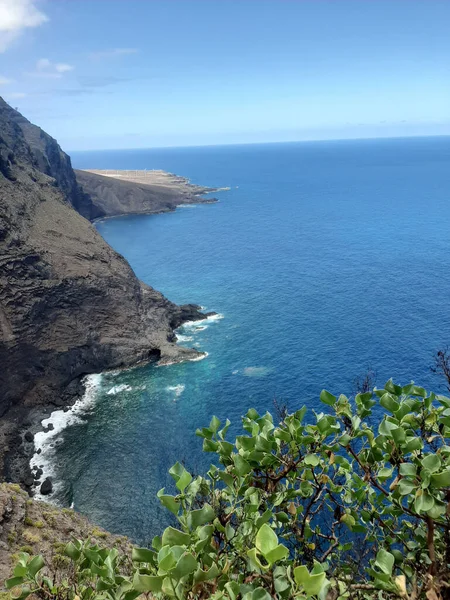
x: 323, y: 258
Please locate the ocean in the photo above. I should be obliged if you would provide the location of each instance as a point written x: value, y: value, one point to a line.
x: 323, y: 260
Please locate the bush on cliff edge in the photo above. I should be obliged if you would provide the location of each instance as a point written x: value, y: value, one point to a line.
x: 349, y: 503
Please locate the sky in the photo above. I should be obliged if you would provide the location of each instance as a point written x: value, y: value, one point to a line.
x: 111, y: 74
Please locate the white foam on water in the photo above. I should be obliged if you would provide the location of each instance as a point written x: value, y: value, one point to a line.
x: 216, y: 317
x: 177, y: 362
x: 256, y: 371
x: 201, y: 357
x: 193, y: 327
x: 184, y: 338
x: 123, y: 387
x: 178, y: 389
x: 46, y: 442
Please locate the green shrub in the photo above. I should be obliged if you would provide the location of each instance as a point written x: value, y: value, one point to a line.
x: 30, y: 537
x: 348, y: 504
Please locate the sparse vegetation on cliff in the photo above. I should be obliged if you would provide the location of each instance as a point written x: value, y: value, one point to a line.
x: 325, y: 506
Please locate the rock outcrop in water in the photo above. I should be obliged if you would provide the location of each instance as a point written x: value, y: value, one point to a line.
x: 69, y: 304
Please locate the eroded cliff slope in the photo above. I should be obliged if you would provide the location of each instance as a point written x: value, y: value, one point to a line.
x: 69, y: 304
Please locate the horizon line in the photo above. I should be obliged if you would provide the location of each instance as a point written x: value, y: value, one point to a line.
x: 175, y: 147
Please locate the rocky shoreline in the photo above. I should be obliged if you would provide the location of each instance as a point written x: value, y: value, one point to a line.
x: 24, y: 422
x: 116, y: 193
x: 70, y: 305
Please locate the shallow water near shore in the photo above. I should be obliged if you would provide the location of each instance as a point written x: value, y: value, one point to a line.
x: 323, y: 258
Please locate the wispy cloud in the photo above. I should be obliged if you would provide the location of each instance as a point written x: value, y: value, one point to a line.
x: 5, y: 80
x: 112, y: 53
x: 49, y: 70
x: 15, y: 17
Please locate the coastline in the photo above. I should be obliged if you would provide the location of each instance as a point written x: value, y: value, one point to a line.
x: 114, y: 193
x: 54, y: 422
x: 22, y: 424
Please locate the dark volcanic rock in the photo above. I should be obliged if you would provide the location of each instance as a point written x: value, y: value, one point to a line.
x: 29, y: 437
x: 46, y: 487
x: 28, y: 480
x: 69, y: 304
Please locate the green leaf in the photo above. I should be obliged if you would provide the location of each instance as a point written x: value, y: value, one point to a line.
x: 24, y: 593
x: 408, y: 470
x: 441, y: 480
x: 389, y: 402
x: 312, y: 459
x: 242, y: 466
x: 399, y: 435
x: 266, y: 539
x: 261, y: 594
x: 423, y: 502
x: 214, y: 425
x: 312, y: 584
x: 405, y: 487
x: 348, y: 520
x: 327, y: 398
x: 384, y: 473
x: 35, y: 565
x: 431, y: 462
x: 72, y: 551
x: 13, y: 582
x: 142, y: 555
x: 147, y: 583
x: 385, y: 561
x: 175, y: 537
x: 412, y: 444
x: 392, y: 388
x: 253, y: 555
x: 20, y: 570
x: 195, y: 518
x: 185, y: 565
x: 210, y: 445
x: 181, y: 476
x: 168, y: 501
x: 211, y: 573
x: 278, y: 553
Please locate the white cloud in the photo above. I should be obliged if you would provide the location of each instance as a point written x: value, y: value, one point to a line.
x: 63, y: 67
x: 47, y: 69
x: 15, y: 16
x: 113, y: 52
x: 5, y: 80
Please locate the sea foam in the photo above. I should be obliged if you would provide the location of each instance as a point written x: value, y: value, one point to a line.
x: 47, y: 441
x: 178, y: 389
x: 123, y: 387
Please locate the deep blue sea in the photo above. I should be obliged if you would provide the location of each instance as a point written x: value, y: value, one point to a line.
x: 324, y: 258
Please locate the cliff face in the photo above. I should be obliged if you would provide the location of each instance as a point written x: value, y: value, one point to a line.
x: 39, y: 528
x: 69, y: 304
x: 148, y: 192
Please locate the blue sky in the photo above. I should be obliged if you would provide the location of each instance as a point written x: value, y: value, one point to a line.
x: 149, y: 73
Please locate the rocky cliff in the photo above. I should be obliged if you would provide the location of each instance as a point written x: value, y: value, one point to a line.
x: 132, y: 192
x: 39, y: 528
x: 69, y: 304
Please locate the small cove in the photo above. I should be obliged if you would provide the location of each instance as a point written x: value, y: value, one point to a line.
x: 323, y: 258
